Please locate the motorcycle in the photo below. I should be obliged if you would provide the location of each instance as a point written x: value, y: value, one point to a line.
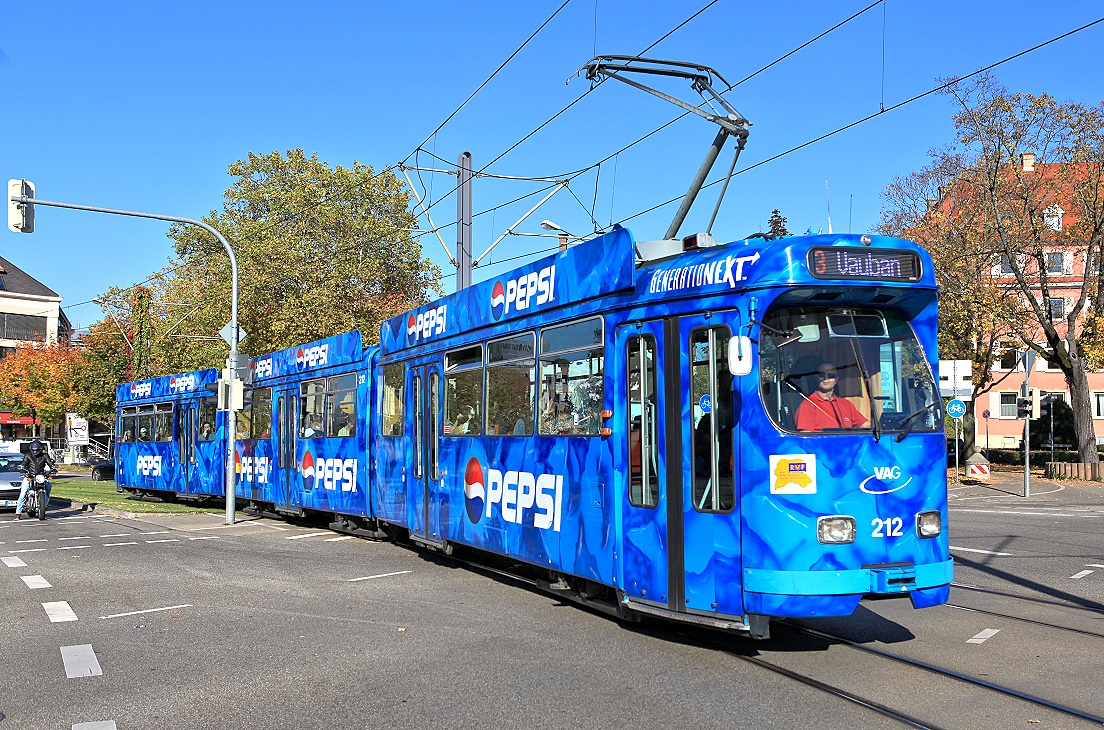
x: 37, y: 498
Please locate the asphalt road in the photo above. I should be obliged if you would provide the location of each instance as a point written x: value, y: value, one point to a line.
x: 182, y: 622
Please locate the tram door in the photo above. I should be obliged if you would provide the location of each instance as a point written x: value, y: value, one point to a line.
x: 187, y: 444
x: 287, y: 467
x: 422, y: 494
x: 710, y: 518
x: 645, y: 511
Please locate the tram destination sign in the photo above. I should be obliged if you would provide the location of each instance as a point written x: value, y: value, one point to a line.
x: 847, y: 262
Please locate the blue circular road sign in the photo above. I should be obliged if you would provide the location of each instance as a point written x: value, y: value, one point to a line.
x: 956, y: 408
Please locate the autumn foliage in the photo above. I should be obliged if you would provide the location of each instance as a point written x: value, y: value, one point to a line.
x: 40, y: 379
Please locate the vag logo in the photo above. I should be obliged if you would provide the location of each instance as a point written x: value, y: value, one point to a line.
x: 425, y: 325
x: 149, y: 466
x: 521, y: 291
x: 182, y: 383
x: 882, y: 482
x: 309, y: 357
x: 141, y: 390
x: 516, y: 493
x: 263, y: 368
x: 329, y: 474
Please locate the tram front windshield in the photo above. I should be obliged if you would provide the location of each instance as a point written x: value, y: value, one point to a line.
x: 835, y: 370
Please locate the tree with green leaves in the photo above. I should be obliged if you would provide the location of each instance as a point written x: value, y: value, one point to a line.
x: 777, y: 223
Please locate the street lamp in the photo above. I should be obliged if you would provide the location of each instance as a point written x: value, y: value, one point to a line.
x: 564, y: 235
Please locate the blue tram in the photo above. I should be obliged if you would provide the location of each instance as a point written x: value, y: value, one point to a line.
x: 711, y: 433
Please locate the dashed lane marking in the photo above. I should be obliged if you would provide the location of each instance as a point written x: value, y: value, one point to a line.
x: 1082, y: 574
x: 208, y: 537
x: 118, y: 534
x: 171, y: 539
x: 13, y: 562
x: 1032, y: 514
x: 116, y: 544
x: 338, y: 539
x: 28, y: 550
x: 59, y: 612
x: 98, y: 725
x: 1094, y: 565
x: 159, y: 532
x: 80, y: 661
x: 975, y: 550
x: 35, y: 581
x: 148, y: 610
x: 73, y: 547
x: 86, y: 537
x: 309, y: 534
x: 382, y: 575
x: 981, y: 637
x: 20, y: 542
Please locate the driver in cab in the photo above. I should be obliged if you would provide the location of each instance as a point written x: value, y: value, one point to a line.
x: 824, y: 409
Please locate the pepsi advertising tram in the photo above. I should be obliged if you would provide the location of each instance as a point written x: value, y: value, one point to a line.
x: 717, y: 434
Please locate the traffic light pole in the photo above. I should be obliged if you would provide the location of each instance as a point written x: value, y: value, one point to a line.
x: 1027, y: 427
x: 231, y: 361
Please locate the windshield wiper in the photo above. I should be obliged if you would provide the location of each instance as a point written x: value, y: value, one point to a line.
x: 901, y: 436
x: 874, y: 429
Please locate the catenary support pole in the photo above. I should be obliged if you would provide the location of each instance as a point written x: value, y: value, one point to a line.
x: 231, y: 361
x: 464, y: 222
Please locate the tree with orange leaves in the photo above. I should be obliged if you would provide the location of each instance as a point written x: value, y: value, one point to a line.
x: 40, y: 379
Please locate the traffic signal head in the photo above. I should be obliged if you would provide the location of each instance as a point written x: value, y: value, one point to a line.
x: 20, y: 215
x: 1023, y: 407
x: 1034, y: 403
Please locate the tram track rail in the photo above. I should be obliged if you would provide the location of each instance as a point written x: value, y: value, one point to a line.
x: 950, y: 674
x: 1032, y: 599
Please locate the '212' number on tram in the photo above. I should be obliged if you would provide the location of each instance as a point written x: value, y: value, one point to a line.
x: 889, y: 527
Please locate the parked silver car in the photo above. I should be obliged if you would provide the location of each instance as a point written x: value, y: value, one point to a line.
x: 10, y: 479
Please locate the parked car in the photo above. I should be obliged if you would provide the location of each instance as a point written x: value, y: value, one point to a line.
x: 102, y: 469
x: 9, y: 473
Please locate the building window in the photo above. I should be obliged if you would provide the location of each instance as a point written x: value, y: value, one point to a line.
x: 1056, y: 306
x: 1007, y: 405
x: 1009, y: 360
x: 22, y: 327
x: 1052, y: 216
x: 1052, y: 362
x: 1098, y: 405
x: 1055, y: 263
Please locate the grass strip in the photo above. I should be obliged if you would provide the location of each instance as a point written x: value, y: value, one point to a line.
x: 103, y: 494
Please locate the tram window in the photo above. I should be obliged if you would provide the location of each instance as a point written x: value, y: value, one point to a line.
x: 882, y: 374
x: 711, y: 409
x: 312, y: 405
x: 464, y: 392
x: 261, y: 423
x: 127, y: 424
x: 511, y: 386
x: 341, y: 406
x: 391, y: 421
x: 163, y: 422
x: 242, y: 418
x: 643, y: 428
x: 207, y: 422
x: 434, y: 385
x: 145, y: 424
x: 571, y: 379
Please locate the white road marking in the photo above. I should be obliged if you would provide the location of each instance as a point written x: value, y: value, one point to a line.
x: 80, y: 661
x: 28, y: 550
x: 148, y: 610
x: 76, y: 517
x: 86, y: 537
x: 1094, y: 565
x: 1008, y: 512
x: 309, y: 534
x: 116, y: 544
x: 981, y: 637
x: 59, y: 612
x: 13, y: 562
x: 118, y: 534
x: 98, y: 725
x: 383, y: 575
x: 160, y: 532
x: 19, y: 542
x: 973, y: 550
x: 208, y: 537
x: 171, y: 539
x: 73, y: 547
x: 1082, y: 574
x: 338, y: 539
x: 35, y: 581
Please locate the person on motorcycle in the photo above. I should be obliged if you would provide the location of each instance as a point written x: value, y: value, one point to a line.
x: 37, y: 461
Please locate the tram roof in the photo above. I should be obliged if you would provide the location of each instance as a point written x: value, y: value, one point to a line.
x: 165, y: 386
x: 343, y: 349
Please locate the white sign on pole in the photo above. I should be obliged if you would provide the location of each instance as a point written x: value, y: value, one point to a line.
x: 76, y: 429
x: 226, y: 332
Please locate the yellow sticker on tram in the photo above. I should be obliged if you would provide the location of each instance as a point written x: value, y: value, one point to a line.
x: 793, y: 474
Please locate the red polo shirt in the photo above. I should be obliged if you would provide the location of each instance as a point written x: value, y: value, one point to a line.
x: 817, y: 413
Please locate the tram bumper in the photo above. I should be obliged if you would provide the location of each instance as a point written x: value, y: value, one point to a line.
x: 838, y: 592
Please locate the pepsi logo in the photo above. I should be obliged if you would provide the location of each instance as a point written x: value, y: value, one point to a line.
x: 141, y: 390
x: 182, y: 383
x: 425, y: 325
x: 308, y: 471
x: 309, y: 357
x: 263, y: 368
x: 498, y: 300
x: 237, y: 463
x: 474, y: 491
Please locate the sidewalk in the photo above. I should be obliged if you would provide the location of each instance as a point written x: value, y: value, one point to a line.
x: 1007, y: 485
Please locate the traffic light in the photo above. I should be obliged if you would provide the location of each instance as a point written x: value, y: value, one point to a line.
x: 1034, y: 404
x: 20, y: 215
x: 1045, y: 404
x: 1023, y: 407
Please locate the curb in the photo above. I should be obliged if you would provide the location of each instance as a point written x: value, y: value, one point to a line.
x: 97, y: 509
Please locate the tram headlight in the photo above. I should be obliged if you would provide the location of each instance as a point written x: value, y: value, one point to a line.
x: 836, y: 530
x: 929, y: 524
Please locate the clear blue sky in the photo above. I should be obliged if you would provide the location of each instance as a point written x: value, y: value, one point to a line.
x: 144, y: 105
